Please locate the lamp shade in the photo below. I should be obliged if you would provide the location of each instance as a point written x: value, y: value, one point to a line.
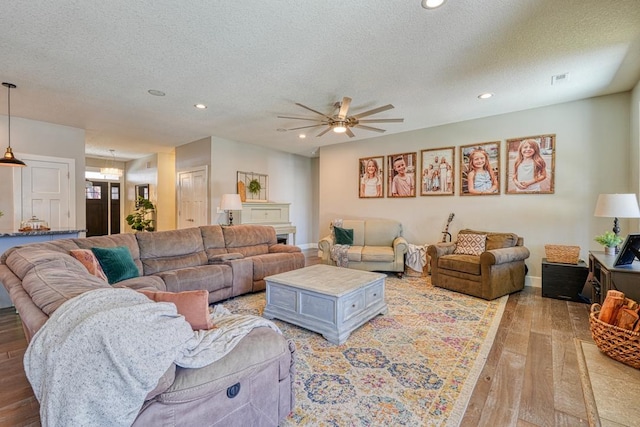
x: 617, y: 206
x: 231, y: 202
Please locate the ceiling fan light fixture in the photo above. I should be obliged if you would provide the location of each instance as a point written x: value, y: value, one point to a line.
x: 9, y: 159
x: 340, y: 127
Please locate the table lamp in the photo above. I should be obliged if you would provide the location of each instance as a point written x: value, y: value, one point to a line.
x: 229, y: 203
x: 617, y: 206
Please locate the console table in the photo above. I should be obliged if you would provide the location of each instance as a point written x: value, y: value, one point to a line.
x: 10, y: 238
x: 604, y: 277
x: 267, y: 213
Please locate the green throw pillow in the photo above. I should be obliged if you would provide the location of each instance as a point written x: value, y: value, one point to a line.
x: 117, y: 263
x: 344, y: 236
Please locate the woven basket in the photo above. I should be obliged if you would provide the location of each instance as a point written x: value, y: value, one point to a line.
x: 562, y: 254
x: 619, y: 344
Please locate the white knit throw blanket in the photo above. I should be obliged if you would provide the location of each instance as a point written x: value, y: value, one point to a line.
x: 100, y: 354
x: 339, y: 253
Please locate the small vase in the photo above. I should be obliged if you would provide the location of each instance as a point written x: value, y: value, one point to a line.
x: 609, y: 250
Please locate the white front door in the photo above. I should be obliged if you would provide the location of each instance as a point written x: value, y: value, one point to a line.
x: 45, y: 190
x: 192, y: 198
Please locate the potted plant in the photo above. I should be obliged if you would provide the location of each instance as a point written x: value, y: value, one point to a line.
x: 142, y: 218
x: 609, y: 240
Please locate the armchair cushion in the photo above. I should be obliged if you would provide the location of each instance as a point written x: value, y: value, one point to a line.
x: 495, y: 240
x: 470, y: 244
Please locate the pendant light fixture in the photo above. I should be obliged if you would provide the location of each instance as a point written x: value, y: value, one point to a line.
x: 111, y: 169
x: 9, y: 159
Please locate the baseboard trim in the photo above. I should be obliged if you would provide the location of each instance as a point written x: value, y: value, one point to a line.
x: 533, y: 281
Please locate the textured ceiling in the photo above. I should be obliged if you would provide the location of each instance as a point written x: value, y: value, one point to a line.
x: 89, y: 64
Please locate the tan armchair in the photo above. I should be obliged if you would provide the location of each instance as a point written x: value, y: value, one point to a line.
x: 498, y: 270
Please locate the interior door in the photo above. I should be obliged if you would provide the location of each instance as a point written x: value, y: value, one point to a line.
x: 192, y: 198
x: 46, y: 186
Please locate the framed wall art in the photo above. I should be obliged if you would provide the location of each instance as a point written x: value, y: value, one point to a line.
x: 480, y: 169
x: 530, y: 165
x: 371, y: 177
x: 437, y: 172
x: 401, y: 175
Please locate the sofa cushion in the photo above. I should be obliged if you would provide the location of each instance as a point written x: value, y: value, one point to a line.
x: 275, y: 263
x: 377, y: 254
x: 354, y: 253
x: 470, y: 244
x: 117, y: 263
x: 213, y: 240
x: 193, y: 305
x: 496, y: 240
x: 357, y: 225
x: 344, y: 236
x: 171, y: 250
x: 111, y: 241
x: 21, y: 259
x: 210, y: 277
x: 248, y: 239
x: 88, y: 259
x: 463, y: 263
x: 381, y: 232
x: 53, y: 282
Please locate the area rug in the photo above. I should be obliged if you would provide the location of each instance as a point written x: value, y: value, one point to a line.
x: 415, y: 366
x: 610, y: 388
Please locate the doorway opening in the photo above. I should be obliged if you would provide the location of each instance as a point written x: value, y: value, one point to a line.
x: 103, y: 208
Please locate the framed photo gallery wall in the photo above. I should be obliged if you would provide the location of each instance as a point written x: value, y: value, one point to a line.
x: 529, y: 168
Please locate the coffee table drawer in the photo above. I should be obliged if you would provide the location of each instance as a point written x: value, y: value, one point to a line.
x: 283, y: 297
x: 374, y: 294
x: 353, y: 304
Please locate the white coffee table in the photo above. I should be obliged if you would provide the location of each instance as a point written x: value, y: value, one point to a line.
x: 332, y: 301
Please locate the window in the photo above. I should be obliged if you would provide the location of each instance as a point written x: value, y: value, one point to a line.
x: 94, y: 192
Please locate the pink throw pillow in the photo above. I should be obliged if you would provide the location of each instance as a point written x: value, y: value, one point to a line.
x: 193, y: 305
x: 90, y: 262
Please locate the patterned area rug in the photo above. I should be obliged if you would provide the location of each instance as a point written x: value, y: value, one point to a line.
x: 415, y: 366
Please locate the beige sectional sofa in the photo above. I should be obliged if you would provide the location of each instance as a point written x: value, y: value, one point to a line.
x: 378, y: 245
x: 226, y: 261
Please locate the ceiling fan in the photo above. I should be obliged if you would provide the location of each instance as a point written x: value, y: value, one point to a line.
x: 341, y: 121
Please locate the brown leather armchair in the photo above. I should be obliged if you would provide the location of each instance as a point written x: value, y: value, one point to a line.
x: 498, y: 270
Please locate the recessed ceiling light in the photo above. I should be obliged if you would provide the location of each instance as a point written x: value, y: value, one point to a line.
x: 156, y: 92
x: 302, y: 136
x: 200, y: 106
x: 432, y: 4
x: 486, y: 95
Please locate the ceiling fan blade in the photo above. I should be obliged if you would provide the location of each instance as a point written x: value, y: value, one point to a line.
x: 374, y: 111
x: 299, y: 118
x: 370, y: 128
x: 305, y: 127
x: 324, y: 131
x: 348, y: 132
x: 344, y: 108
x: 381, y: 121
x: 312, y: 110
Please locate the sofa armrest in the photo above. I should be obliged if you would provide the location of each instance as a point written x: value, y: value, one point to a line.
x: 325, y: 245
x: 504, y: 255
x: 441, y: 249
x: 400, y: 245
x: 280, y: 248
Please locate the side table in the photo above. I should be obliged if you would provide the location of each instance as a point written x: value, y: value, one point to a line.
x: 563, y: 281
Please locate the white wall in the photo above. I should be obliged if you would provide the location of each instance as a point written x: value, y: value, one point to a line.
x: 291, y: 180
x: 43, y: 139
x: 592, y: 157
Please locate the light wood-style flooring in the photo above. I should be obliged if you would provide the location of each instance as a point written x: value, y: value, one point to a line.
x: 530, y: 378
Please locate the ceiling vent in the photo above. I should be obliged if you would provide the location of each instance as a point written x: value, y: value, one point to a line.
x: 559, y: 79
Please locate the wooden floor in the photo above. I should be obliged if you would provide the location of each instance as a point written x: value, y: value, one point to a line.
x: 530, y: 378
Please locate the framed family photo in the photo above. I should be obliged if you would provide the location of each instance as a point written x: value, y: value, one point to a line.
x: 437, y: 172
x: 480, y: 169
x: 401, y: 175
x: 371, y: 177
x: 530, y: 165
